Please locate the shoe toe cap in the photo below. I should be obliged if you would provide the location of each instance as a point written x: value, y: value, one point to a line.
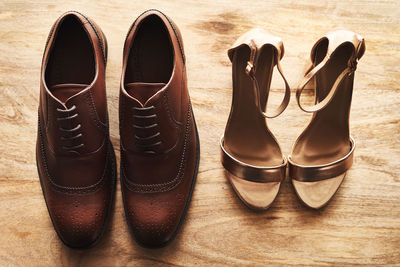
x: 79, y: 225
x: 153, y: 223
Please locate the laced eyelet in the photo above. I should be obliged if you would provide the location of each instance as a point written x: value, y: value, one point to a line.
x: 67, y: 136
x: 147, y: 138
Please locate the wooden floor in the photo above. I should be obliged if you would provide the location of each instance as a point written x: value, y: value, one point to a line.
x: 361, y: 225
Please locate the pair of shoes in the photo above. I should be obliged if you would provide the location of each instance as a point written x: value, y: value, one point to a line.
x: 323, y: 152
x: 158, y: 135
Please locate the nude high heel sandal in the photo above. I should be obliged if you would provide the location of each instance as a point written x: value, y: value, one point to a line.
x: 250, y: 153
x: 324, y: 151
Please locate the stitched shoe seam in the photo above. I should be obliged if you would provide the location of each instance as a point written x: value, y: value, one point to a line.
x: 62, y: 189
x: 101, y: 41
x: 167, y: 103
x: 93, y: 112
x: 162, y: 187
x: 170, y: 22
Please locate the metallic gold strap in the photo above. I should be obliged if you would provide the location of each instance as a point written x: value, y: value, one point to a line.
x: 352, y: 65
x: 321, y: 172
x: 250, y: 71
x: 250, y: 172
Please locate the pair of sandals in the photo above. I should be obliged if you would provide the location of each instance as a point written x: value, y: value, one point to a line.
x: 323, y: 152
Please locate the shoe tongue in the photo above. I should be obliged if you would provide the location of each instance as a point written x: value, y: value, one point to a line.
x: 143, y: 91
x: 67, y: 90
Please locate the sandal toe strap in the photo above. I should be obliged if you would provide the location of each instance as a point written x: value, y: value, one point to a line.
x: 250, y: 172
x: 321, y: 172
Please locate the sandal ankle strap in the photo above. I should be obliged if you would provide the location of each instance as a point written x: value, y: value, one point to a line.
x: 359, y: 44
x: 254, y: 44
x: 250, y: 71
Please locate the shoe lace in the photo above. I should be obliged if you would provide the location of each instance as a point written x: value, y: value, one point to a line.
x: 147, y: 139
x: 69, y: 135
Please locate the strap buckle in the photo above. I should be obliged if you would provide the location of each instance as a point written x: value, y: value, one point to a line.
x: 352, y: 65
x: 250, y: 70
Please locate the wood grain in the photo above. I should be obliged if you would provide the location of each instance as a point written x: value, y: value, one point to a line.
x: 360, y: 226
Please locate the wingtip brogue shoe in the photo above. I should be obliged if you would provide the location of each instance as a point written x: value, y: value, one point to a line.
x: 159, y: 140
x: 75, y: 158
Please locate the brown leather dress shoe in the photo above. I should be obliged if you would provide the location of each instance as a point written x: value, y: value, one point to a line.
x: 75, y: 158
x: 159, y: 141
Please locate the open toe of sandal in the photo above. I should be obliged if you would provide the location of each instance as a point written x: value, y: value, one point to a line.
x: 317, y: 194
x: 258, y: 196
